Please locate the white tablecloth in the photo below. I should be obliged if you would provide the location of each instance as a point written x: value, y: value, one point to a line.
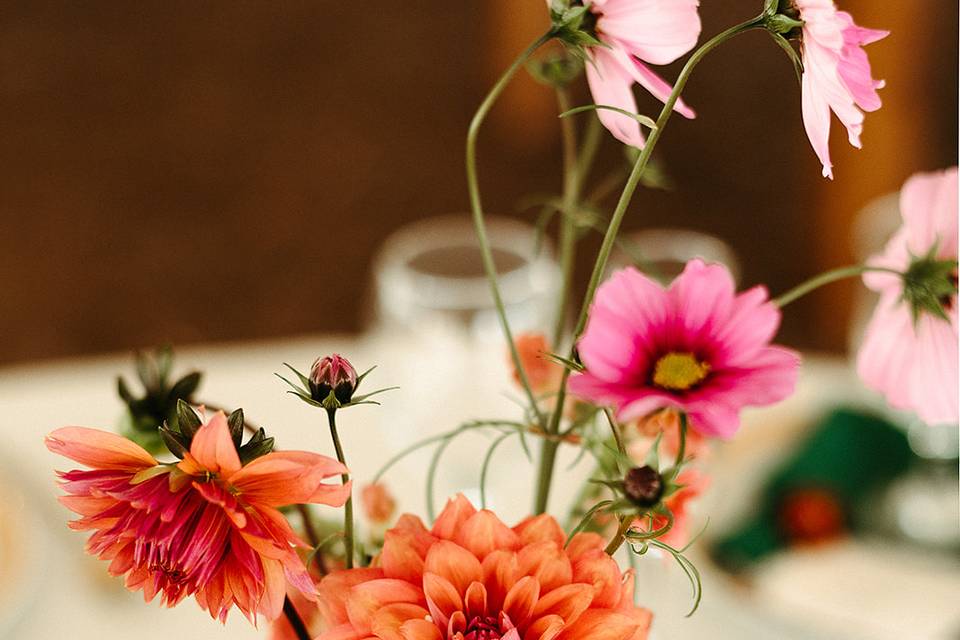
x: 442, y: 383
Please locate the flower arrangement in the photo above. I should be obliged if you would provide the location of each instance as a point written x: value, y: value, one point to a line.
x: 198, y: 503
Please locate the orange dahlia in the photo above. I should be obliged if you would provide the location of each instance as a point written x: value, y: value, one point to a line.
x: 471, y: 577
x: 207, y: 526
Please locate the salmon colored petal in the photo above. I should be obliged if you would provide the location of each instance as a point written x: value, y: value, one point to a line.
x: 601, y: 571
x: 400, y: 557
x: 545, y: 628
x: 457, y: 511
x: 600, y: 624
x: 291, y: 477
x: 367, y: 598
x: 335, y: 588
x: 547, y: 563
x: 388, y: 620
x: 451, y: 561
x: 500, y: 573
x: 213, y: 449
x: 443, y: 598
x: 271, y: 604
x: 567, y: 602
x: 475, y: 600
x: 483, y: 532
x: 420, y: 630
x: 585, y: 543
x: 340, y: 632
x: 521, y: 600
x: 99, y: 449
x: 542, y: 528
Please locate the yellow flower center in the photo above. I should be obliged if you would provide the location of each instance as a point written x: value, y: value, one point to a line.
x: 679, y: 371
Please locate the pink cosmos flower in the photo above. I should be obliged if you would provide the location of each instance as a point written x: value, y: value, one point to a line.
x: 471, y: 577
x: 696, y: 346
x: 836, y: 74
x: 913, y: 362
x: 635, y: 32
x: 206, y: 526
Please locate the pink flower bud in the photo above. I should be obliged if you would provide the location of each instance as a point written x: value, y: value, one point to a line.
x: 332, y: 373
x: 378, y: 504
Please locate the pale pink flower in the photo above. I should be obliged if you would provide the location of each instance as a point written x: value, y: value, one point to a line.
x: 636, y: 32
x: 836, y: 74
x: 914, y: 362
x: 696, y: 346
x: 207, y: 526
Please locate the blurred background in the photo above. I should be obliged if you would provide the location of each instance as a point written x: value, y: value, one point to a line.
x: 188, y: 172
x: 260, y: 182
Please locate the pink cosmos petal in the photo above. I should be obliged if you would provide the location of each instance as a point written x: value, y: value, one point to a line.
x: 913, y: 362
x: 612, y: 85
x: 635, y: 32
x: 836, y: 76
x: 928, y: 204
x: 99, y: 449
x: 658, y: 31
x: 634, y: 323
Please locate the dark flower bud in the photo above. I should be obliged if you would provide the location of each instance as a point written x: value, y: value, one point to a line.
x: 643, y: 486
x: 332, y: 373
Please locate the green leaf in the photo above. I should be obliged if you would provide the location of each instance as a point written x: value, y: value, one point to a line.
x: 164, y: 358
x: 235, y: 422
x: 185, y: 386
x: 304, y: 380
x: 188, y: 422
x: 176, y: 443
x: 254, y: 449
x: 147, y: 372
x: 364, y: 375
x: 125, y: 394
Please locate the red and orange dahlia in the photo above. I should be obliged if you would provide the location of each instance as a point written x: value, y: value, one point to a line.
x: 471, y: 577
x: 207, y: 526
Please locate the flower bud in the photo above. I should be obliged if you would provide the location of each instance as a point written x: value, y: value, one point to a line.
x: 332, y: 373
x: 643, y: 486
x: 378, y: 504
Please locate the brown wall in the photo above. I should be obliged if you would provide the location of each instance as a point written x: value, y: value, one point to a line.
x: 190, y: 171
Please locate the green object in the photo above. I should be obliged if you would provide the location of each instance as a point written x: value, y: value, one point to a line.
x: 851, y: 455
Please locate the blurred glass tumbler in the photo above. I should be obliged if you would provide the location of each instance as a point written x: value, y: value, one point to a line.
x: 429, y: 280
x: 662, y: 253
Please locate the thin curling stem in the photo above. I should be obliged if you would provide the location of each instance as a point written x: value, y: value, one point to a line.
x: 825, y: 278
x: 476, y: 206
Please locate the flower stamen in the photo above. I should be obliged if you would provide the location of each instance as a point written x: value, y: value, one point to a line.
x: 679, y: 371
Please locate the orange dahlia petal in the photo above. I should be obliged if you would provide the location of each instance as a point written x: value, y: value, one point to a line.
x: 567, y: 602
x: 547, y: 562
x: 99, y: 449
x: 212, y: 448
x: 483, y: 532
x: 542, y: 528
x: 387, y: 621
x: 367, y: 598
x: 334, y: 590
x: 451, y: 561
x: 456, y: 512
x: 443, y: 598
x: 521, y: 599
x: 600, y: 624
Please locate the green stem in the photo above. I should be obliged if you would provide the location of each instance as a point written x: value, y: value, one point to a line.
x: 344, y: 478
x: 620, y: 536
x: 568, y: 238
x: 825, y: 278
x: 476, y: 207
x: 609, y: 238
